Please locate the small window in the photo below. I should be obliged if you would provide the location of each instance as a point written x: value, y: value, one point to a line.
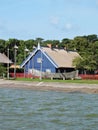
x: 38, y: 60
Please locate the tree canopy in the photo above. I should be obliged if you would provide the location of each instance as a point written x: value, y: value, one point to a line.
x: 86, y: 46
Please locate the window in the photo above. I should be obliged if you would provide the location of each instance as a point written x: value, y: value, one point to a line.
x: 38, y: 60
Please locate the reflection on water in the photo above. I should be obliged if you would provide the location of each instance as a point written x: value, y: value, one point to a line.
x: 38, y: 110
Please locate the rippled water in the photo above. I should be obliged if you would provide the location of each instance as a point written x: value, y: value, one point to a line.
x: 46, y: 110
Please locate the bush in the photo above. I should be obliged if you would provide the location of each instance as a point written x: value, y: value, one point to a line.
x: 2, y: 70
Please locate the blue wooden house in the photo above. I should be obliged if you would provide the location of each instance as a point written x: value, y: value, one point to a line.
x: 49, y: 60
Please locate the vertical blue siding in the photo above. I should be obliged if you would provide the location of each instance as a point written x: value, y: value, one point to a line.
x: 46, y: 64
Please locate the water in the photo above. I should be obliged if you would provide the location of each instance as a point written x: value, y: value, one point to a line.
x: 46, y: 110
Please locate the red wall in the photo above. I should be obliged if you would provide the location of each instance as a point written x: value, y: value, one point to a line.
x: 87, y: 76
x: 83, y: 76
x: 21, y: 75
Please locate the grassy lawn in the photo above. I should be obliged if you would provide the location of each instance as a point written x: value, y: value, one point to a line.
x: 63, y: 81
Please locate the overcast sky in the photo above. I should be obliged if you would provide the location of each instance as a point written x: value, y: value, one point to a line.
x: 48, y: 19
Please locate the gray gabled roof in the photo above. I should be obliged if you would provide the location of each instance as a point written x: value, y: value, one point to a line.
x: 4, y: 59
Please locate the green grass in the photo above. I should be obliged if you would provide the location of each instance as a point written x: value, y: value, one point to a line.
x: 62, y: 81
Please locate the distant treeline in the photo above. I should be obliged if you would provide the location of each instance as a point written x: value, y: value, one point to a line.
x: 86, y: 46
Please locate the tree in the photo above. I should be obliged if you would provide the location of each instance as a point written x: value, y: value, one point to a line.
x: 65, y: 43
x: 92, y: 38
x: 29, y: 44
x: 39, y: 40
x: 86, y: 46
x: 2, y: 45
x: 2, y: 69
x: 78, y: 63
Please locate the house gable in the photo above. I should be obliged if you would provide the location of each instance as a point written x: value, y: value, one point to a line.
x: 40, y: 61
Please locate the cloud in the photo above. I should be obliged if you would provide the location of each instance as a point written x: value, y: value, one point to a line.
x: 54, y: 20
x: 68, y: 26
x: 97, y: 2
x: 62, y: 25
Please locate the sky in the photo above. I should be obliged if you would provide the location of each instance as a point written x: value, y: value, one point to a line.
x: 48, y: 19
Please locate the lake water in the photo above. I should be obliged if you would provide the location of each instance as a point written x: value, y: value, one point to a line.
x: 46, y: 110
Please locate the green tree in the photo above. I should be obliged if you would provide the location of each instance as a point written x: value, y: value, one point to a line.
x: 2, y: 46
x: 2, y: 70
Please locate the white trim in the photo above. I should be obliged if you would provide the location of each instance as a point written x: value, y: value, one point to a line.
x: 32, y: 54
x: 28, y: 58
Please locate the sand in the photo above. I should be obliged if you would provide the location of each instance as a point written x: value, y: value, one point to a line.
x: 52, y: 86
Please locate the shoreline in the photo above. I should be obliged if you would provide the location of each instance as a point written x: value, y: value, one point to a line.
x: 50, y: 86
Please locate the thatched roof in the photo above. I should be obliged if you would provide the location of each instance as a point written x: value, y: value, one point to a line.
x: 4, y: 59
x: 61, y: 57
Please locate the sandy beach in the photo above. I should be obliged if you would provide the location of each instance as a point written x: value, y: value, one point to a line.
x: 53, y: 86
